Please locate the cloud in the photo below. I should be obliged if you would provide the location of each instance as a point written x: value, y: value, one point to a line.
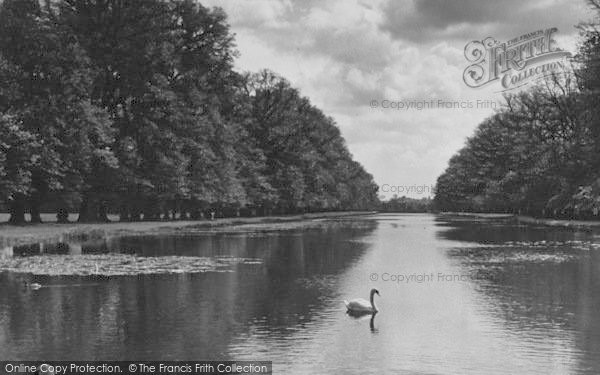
x: 343, y: 54
x: 426, y: 21
x: 255, y: 14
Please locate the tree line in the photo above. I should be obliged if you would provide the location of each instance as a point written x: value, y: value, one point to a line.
x: 406, y: 204
x: 540, y: 154
x: 133, y: 107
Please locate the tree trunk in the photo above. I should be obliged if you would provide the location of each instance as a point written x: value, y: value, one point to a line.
x: 175, y: 209
x: 92, y: 211
x: 62, y: 215
x: 151, y: 210
x: 103, y: 213
x: 87, y: 212
x: 196, y: 214
x: 34, y: 209
x: 17, y: 210
x: 123, y: 213
x: 150, y: 215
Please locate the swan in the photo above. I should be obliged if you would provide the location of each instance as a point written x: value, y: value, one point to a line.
x: 32, y: 286
x: 360, y: 305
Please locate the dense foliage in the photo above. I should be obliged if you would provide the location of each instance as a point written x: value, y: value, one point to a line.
x: 539, y: 154
x: 134, y: 107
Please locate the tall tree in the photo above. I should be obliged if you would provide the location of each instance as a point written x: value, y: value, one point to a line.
x: 50, y: 74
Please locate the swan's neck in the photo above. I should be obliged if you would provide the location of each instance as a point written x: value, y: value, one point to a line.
x: 373, y: 302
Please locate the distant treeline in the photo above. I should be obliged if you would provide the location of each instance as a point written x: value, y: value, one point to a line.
x: 540, y: 154
x: 405, y: 204
x: 133, y: 107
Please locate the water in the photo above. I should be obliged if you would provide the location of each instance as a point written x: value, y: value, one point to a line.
x: 473, y: 297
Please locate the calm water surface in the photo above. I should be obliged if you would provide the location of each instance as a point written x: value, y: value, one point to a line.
x: 473, y: 297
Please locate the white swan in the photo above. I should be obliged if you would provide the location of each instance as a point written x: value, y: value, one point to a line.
x: 32, y: 286
x: 360, y: 305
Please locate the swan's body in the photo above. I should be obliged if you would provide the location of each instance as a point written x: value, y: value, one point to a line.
x: 33, y: 286
x: 360, y: 305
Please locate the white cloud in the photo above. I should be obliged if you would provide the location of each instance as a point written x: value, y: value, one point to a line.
x: 344, y: 53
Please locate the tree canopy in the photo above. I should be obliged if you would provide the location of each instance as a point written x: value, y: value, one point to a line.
x: 134, y: 107
x: 539, y: 154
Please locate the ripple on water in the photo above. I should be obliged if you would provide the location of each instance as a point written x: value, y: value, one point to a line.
x: 574, y: 244
x: 517, y: 253
x: 118, y: 264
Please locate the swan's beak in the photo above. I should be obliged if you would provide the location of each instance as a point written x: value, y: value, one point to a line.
x: 378, y: 293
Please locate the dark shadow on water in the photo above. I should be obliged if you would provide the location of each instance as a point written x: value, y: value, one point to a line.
x: 181, y: 315
x: 495, y: 231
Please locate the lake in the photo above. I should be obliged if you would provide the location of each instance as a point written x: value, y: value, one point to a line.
x: 459, y: 295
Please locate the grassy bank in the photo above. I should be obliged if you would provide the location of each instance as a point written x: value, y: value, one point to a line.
x: 11, y: 235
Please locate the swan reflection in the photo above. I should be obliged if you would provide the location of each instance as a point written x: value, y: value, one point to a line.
x: 364, y: 316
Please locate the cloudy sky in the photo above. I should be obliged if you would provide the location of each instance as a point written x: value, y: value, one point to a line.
x: 345, y: 54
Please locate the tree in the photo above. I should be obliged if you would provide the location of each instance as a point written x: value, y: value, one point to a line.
x: 18, y: 155
x: 49, y: 74
x: 535, y: 155
x: 134, y: 107
x: 307, y: 160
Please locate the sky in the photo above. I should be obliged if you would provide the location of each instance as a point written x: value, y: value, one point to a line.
x: 352, y: 58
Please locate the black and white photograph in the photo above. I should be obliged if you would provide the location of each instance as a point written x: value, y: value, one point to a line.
x: 300, y: 187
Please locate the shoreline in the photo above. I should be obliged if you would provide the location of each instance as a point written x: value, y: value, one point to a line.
x: 477, y: 214
x: 18, y: 235
x: 523, y: 219
x: 558, y: 222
